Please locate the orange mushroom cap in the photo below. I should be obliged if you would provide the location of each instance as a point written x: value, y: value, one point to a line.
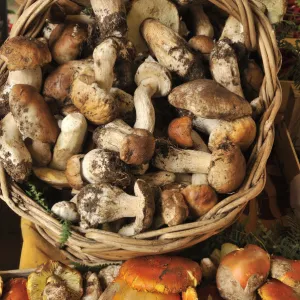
x: 16, y: 290
x: 180, y: 130
x: 162, y: 274
x: 276, y: 290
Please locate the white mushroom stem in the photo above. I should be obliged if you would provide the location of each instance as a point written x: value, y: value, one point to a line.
x: 199, y: 144
x: 257, y: 107
x: 145, y: 114
x: 82, y: 18
x: 202, y: 25
x: 183, y: 178
x: 105, y: 56
x: 159, y: 178
x: 48, y: 29
x: 70, y: 140
x: 199, y: 179
x: 207, y: 126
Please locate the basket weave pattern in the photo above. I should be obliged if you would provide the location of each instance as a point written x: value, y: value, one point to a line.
x: 94, y: 247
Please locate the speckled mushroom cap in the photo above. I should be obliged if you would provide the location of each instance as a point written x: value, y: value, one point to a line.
x: 208, y: 99
x: 163, y: 274
x: 24, y: 53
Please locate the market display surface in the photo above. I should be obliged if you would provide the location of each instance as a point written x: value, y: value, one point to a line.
x: 135, y: 128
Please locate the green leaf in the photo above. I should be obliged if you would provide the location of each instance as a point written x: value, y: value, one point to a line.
x: 32, y: 191
x: 65, y: 233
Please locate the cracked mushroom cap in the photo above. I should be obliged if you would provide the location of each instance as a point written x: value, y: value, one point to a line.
x: 208, y: 99
x: 32, y: 114
x: 24, y: 53
x: 102, y: 166
x: 15, y: 289
x: 227, y: 168
x: 276, y: 290
x: 137, y: 148
x: 156, y: 72
x: 161, y: 274
x: 55, y: 289
x: 93, y: 102
x: 74, y: 172
x: 37, y: 280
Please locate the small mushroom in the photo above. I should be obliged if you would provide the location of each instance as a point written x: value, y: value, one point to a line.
x: 102, y: 203
x: 14, y: 155
x: 39, y: 151
x: 224, y: 67
x: 171, y: 50
x: 54, y: 178
x: 276, y: 290
x: 32, y: 114
x: 108, y: 274
x: 159, y: 178
x: 163, y: 10
x: 209, y: 269
x: 226, y: 166
x: 153, y: 81
x: 201, y: 22
x: 56, y: 274
x: 104, y: 166
x: 241, y: 132
x: 57, y: 84
x: 203, y: 44
x: 55, y: 289
x: 200, y: 199
x: 70, y: 140
x: 136, y: 146
x: 74, y: 172
x: 66, y: 211
x: 93, y: 288
x: 208, y: 99
x: 171, y: 210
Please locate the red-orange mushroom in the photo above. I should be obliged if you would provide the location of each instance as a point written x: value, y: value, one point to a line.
x: 209, y: 292
x: 190, y: 294
x: 161, y: 274
x: 276, y: 290
x: 287, y: 271
x: 16, y: 290
x: 242, y: 272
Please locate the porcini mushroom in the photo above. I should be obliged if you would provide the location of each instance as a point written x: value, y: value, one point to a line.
x: 286, y: 271
x: 158, y: 178
x: 102, y: 166
x: 153, y: 80
x: 171, y: 209
x: 93, y: 288
x: 32, y: 114
x: 200, y: 199
x: 241, y: 132
x: 242, y: 271
x: 203, y: 44
x: 168, y: 274
x: 201, y: 22
x: 136, y: 146
x: 70, y: 140
x: 171, y: 50
x: 66, y: 211
x: 15, y: 289
x: 276, y: 290
x: 208, y: 99
x: 14, y: 155
x: 163, y: 10
x: 226, y: 166
x: 108, y: 274
x: 224, y: 67
x: 40, y: 152
x: 74, y: 172
x: 55, y: 289
x: 54, y: 178
x: 58, y: 272
x: 102, y: 203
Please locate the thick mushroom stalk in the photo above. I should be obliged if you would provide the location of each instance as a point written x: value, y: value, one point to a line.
x: 14, y: 155
x: 153, y: 81
x: 208, y: 99
x: 226, y: 166
x: 241, y: 131
x: 40, y: 152
x: 201, y: 22
x: 158, y: 179
x: 171, y: 50
x: 224, y: 67
x: 136, y: 146
x: 102, y: 203
x: 70, y: 140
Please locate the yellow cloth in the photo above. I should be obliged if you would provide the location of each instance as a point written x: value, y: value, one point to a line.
x: 36, y: 250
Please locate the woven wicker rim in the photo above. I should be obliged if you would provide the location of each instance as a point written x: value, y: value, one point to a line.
x: 95, y: 247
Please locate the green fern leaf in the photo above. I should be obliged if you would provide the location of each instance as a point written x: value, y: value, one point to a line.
x: 65, y: 233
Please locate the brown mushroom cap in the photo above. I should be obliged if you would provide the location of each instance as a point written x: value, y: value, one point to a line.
x: 227, y: 168
x: 162, y: 274
x: 32, y: 114
x: 180, y: 130
x: 200, y: 199
x: 208, y: 99
x: 276, y: 290
x: 202, y: 43
x: 137, y: 148
x: 24, y: 53
x: 73, y: 172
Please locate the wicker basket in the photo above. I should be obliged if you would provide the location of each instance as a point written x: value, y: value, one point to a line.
x: 93, y: 247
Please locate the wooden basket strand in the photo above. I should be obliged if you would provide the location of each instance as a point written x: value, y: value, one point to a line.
x: 94, y: 247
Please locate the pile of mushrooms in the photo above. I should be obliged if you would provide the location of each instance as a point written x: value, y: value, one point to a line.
x: 140, y: 112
